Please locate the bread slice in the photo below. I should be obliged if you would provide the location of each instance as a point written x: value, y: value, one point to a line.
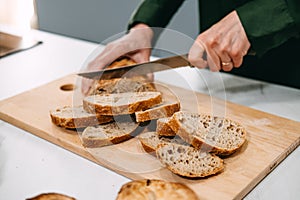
x: 51, y: 196
x: 147, y: 189
x: 122, y: 85
x: 137, y: 83
x: 215, y: 134
x: 121, y: 103
x: 76, y: 117
x: 108, y: 134
x: 189, y: 162
x: 163, y: 128
x: 166, y: 109
x: 151, y: 141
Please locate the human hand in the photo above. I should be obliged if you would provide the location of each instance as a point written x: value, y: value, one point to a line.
x: 224, y: 45
x: 135, y: 45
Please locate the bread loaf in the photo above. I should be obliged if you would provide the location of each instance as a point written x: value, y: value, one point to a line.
x: 187, y: 161
x: 155, y: 190
x: 108, y: 134
x: 51, y: 196
x: 76, y: 117
x: 215, y: 134
x: 121, y: 103
x: 138, y: 83
x: 166, y: 109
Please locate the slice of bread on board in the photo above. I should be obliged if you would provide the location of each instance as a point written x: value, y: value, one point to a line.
x: 215, y: 134
x: 166, y: 109
x: 147, y: 189
x: 151, y: 141
x: 187, y: 161
x: 76, y: 117
x: 121, y: 103
x: 108, y: 134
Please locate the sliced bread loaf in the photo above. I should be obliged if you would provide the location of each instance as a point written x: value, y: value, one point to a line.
x: 163, y: 128
x: 187, y: 161
x: 215, y: 134
x: 122, y: 85
x: 147, y: 189
x: 108, y: 134
x: 166, y: 109
x: 121, y: 103
x: 76, y: 117
x: 151, y: 141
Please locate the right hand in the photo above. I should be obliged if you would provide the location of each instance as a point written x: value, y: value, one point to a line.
x: 135, y: 45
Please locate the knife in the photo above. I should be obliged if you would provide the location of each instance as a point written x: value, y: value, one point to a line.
x: 142, y: 68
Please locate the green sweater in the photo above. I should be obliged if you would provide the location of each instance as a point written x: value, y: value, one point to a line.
x: 272, y: 27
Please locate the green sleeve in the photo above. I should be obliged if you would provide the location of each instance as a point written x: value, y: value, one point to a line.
x: 270, y: 23
x: 155, y: 13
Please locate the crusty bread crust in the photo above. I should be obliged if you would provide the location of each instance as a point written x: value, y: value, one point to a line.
x: 121, y: 103
x: 163, y: 128
x: 208, y: 131
x: 166, y: 109
x: 51, y: 196
x: 68, y: 117
x: 155, y: 189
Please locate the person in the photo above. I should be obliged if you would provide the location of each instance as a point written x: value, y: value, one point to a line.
x: 258, y: 39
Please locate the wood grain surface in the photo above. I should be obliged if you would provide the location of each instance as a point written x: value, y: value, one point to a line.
x: 269, y: 138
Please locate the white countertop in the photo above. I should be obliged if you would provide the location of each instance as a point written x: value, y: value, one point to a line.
x: 30, y: 165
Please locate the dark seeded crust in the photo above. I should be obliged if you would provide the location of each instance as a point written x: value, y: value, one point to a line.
x: 154, y: 98
x: 108, y: 134
x: 166, y: 109
x: 157, y: 189
x: 51, y: 196
x: 194, y: 135
x: 76, y: 121
x: 189, y: 162
x: 163, y: 128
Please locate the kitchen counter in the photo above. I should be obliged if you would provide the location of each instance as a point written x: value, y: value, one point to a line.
x: 30, y: 165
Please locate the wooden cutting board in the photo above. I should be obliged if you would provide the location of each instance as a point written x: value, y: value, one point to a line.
x: 270, y: 138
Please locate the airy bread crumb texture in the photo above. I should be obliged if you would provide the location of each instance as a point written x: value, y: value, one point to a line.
x: 108, y: 134
x: 189, y: 162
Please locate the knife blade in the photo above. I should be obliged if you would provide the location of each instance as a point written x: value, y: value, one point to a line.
x: 142, y: 68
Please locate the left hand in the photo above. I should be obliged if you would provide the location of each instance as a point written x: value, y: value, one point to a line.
x: 224, y: 44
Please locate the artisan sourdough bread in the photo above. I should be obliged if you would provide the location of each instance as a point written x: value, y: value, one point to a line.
x: 215, y: 134
x: 108, y: 134
x: 51, y: 196
x: 147, y: 189
x: 122, y: 85
x: 76, y: 117
x: 151, y: 141
x: 137, y: 83
x: 166, y: 109
x: 163, y: 128
x: 187, y: 161
x: 121, y: 103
